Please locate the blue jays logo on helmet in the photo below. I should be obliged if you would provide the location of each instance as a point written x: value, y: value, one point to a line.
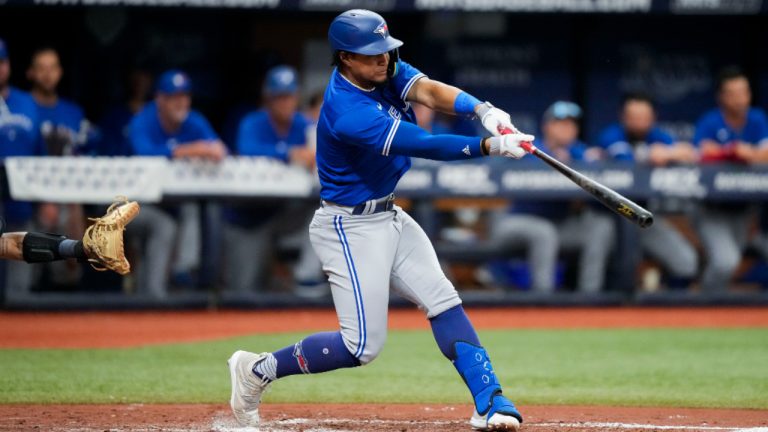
x: 361, y: 31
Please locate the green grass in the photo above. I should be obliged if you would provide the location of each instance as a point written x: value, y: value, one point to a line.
x: 694, y: 368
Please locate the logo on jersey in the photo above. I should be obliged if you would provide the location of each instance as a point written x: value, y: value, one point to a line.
x: 394, y: 113
x: 382, y: 30
x: 298, y: 354
x: 378, y: 105
x: 466, y: 151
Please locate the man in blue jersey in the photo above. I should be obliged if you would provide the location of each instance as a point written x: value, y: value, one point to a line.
x: 61, y: 120
x: 65, y: 132
x: 734, y: 132
x: 19, y: 136
x: 638, y: 140
x: 277, y: 131
x: 169, y: 127
x: 365, y: 138
x: 545, y: 228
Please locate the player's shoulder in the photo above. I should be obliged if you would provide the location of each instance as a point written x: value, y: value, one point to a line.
x: 612, y: 133
x: 22, y: 98
x: 710, y: 116
x: 70, y: 106
x: 146, y: 115
x: 196, y: 117
x: 757, y: 114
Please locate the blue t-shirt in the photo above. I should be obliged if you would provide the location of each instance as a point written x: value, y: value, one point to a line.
x: 19, y: 136
x: 257, y: 136
x: 619, y: 147
x: 60, y: 127
x: 552, y: 210
x: 712, y: 126
x: 149, y: 139
x: 354, y: 135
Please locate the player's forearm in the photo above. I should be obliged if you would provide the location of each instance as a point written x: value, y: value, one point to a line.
x: 411, y: 140
x: 10, y: 246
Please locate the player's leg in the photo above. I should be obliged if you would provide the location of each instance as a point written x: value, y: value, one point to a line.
x: 359, y: 279
x: 670, y: 249
x: 539, y: 238
x: 418, y: 276
x: 593, y: 234
x: 721, y: 247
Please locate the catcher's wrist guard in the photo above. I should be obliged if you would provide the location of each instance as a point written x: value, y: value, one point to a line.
x: 41, y: 247
x: 103, y: 241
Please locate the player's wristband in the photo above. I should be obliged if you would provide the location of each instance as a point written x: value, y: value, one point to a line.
x: 465, y: 104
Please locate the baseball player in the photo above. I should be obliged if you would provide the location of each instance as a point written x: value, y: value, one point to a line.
x: 366, y: 135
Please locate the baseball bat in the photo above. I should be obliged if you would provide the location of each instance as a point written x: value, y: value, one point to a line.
x: 620, y: 204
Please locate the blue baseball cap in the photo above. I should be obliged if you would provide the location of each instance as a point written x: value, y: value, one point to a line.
x: 562, y: 110
x: 3, y: 50
x: 174, y: 81
x: 281, y: 80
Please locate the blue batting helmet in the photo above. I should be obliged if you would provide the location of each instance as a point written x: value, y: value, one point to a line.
x: 361, y: 31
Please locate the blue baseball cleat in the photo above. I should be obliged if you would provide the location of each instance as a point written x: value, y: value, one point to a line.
x: 502, y: 416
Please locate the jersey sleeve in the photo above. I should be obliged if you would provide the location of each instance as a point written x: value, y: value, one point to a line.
x: 141, y: 140
x: 250, y: 141
x: 762, y: 127
x: 659, y: 135
x: 615, y: 144
x: 405, y: 76
x: 706, y: 129
x: 203, y: 127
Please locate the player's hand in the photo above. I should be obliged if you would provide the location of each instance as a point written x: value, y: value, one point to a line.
x: 493, y: 119
x: 508, y: 145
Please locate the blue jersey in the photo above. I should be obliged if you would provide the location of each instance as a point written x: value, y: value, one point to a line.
x: 620, y: 147
x: 712, y: 126
x: 19, y: 136
x: 354, y: 137
x: 149, y: 139
x: 258, y: 137
x: 60, y: 127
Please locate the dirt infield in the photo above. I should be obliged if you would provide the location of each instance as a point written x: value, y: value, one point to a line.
x: 127, y: 329
x: 88, y: 330
x: 365, y: 418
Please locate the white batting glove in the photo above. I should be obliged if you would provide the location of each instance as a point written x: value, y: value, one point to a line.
x: 494, y: 119
x: 508, y: 145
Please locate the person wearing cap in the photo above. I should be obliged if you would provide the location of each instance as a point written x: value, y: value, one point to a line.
x: 366, y: 136
x: 637, y: 139
x: 19, y: 136
x: 168, y: 127
x: 545, y: 229
x: 277, y: 131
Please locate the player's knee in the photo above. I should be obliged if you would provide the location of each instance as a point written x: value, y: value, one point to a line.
x: 725, y: 264
x: 687, y: 264
x: 366, y: 347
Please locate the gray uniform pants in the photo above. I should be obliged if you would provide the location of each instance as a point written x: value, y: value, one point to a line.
x: 723, y: 233
x: 156, y: 232
x: 590, y: 233
x: 19, y: 275
x: 669, y: 248
x: 363, y: 256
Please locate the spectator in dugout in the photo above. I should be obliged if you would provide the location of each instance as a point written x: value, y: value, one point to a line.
x: 277, y: 131
x: 65, y: 132
x: 546, y: 228
x: 736, y: 133
x: 637, y: 139
x: 167, y: 127
x: 19, y: 136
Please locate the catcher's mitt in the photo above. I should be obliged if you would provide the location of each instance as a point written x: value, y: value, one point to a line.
x: 103, y: 241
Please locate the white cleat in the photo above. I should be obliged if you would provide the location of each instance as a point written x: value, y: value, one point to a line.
x: 497, y: 422
x: 247, y: 388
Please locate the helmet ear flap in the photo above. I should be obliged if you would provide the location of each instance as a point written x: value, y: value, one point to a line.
x: 394, y: 56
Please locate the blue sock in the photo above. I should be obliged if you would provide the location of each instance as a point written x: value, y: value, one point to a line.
x: 321, y: 352
x: 450, y: 327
